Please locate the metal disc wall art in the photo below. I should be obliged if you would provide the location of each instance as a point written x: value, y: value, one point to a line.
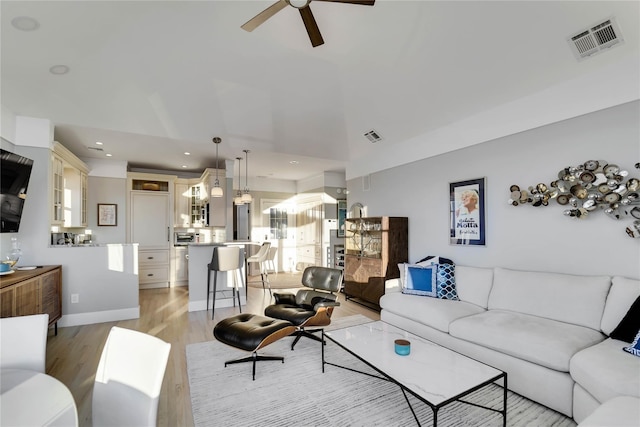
x: 586, y: 188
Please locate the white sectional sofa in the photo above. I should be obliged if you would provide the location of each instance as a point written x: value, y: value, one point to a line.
x: 548, y: 331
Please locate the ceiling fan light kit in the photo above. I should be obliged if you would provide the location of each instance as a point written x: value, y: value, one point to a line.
x: 308, y: 19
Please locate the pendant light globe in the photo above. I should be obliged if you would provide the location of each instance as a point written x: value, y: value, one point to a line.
x: 238, y: 199
x: 216, y: 190
x: 246, y: 196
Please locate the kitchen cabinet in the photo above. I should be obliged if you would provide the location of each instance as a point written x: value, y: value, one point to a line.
x: 196, y: 205
x: 149, y: 225
x: 180, y: 266
x: 84, y: 190
x: 182, y: 205
x: 74, y: 205
x: 217, y: 205
x: 309, y: 233
x: 153, y: 268
x: 69, y: 187
x: 57, y: 190
x: 373, y: 249
x: 28, y: 292
x: 191, y: 198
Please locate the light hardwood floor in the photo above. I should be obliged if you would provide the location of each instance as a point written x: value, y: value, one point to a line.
x: 73, y: 355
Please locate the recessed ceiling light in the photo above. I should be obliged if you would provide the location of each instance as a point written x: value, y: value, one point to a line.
x: 184, y: 166
x: 59, y: 70
x: 294, y: 162
x: 109, y: 155
x: 98, y: 143
x: 25, y: 23
x: 186, y: 153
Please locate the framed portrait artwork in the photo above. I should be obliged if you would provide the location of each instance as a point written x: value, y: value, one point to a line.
x: 467, y: 212
x: 107, y: 214
x: 342, y: 215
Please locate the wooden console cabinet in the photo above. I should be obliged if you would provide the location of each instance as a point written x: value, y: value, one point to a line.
x: 373, y: 249
x: 37, y: 291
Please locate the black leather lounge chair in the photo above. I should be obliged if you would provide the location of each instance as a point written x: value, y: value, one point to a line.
x: 309, y: 307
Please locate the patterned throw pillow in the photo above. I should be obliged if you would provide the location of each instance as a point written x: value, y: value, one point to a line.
x: 634, y: 348
x: 420, y: 280
x: 446, y: 282
x: 629, y: 325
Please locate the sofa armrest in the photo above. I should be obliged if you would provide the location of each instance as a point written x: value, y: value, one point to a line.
x: 392, y: 285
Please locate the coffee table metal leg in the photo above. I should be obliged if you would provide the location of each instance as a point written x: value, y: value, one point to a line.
x: 504, y: 401
x: 322, y: 350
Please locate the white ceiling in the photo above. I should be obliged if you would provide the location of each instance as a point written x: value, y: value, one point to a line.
x: 153, y: 79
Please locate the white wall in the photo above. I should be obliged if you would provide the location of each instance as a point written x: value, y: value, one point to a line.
x: 521, y: 237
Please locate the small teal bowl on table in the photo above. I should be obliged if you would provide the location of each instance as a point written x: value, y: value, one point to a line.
x: 4, y: 268
x: 403, y: 347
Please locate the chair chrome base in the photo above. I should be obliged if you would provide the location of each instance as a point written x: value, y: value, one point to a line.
x: 306, y: 333
x: 253, y: 358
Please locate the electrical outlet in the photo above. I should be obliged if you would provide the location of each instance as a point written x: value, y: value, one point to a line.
x: 75, y: 298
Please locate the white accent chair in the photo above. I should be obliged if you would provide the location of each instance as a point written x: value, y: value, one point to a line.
x: 127, y: 386
x: 261, y: 258
x: 23, y: 342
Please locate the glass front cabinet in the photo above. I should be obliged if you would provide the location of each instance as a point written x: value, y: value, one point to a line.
x: 373, y: 249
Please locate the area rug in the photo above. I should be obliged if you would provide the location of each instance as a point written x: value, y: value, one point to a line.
x: 297, y: 393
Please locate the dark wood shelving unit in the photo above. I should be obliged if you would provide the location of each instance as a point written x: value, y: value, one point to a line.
x: 373, y: 249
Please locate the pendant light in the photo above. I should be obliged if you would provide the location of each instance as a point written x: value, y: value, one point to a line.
x: 246, y: 196
x: 238, y: 199
x: 216, y: 191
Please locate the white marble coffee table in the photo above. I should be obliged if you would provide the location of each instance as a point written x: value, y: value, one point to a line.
x: 433, y: 374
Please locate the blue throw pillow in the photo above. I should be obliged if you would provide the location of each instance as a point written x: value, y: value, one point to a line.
x: 420, y: 280
x: 446, y: 282
x: 634, y: 348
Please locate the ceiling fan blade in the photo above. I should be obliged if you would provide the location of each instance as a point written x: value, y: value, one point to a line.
x: 361, y: 2
x: 260, y: 18
x: 311, y: 26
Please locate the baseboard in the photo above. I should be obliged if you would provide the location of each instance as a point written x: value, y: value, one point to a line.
x: 99, y: 317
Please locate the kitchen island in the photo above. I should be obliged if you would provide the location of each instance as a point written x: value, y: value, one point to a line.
x: 200, y: 255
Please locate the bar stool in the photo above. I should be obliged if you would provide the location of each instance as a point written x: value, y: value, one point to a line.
x: 225, y: 258
x: 271, y: 260
x: 261, y: 258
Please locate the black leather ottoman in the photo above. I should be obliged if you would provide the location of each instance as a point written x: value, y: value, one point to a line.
x: 252, y: 332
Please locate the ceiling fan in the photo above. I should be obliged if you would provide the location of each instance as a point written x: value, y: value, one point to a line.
x: 305, y: 12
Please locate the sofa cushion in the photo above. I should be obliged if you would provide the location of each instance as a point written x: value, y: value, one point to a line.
x: 535, y: 339
x: 578, y: 300
x: 434, y: 312
x: 473, y: 284
x: 621, y: 411
x: 622, y: 294
x: 605, y: 371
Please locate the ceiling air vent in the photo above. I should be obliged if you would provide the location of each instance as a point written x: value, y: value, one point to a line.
x: 595, y: 39
x: 95, y: 148
x: 373, y: 136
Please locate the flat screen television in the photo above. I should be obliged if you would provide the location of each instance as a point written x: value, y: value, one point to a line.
x: 15, y: 172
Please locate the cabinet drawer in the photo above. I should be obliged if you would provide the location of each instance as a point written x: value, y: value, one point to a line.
x: 153, y: 274
x: 153, y: 257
